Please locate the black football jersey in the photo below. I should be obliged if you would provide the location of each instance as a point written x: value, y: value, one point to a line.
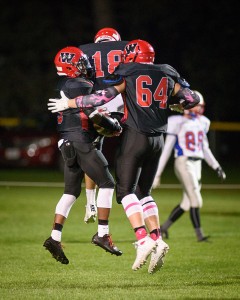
x: 73, y: 124
x: 104, y: 57
x: 148, y: 88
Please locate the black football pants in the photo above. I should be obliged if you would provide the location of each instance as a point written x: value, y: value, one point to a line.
x: 136, y: 163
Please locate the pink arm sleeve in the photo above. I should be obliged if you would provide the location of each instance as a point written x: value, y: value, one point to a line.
x: 101, y: 97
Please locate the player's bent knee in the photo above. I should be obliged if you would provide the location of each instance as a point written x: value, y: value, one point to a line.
x: 109, y: 184
x: 75, y: 191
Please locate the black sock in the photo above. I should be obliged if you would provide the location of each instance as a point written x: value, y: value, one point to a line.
x: 135, y: 229
x: 156, y: 233
x: 58, y: 226
x: 102, y: 222
x: 195, y: 217
x: 176, y: 213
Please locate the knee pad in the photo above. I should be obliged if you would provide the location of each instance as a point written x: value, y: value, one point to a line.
x: 149, y: 207
x: 104, y: 198
x: 131, y: 205
x: 65, y: 204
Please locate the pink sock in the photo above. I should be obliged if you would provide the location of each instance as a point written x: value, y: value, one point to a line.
x: 155, y: 234
x: 141, y: 233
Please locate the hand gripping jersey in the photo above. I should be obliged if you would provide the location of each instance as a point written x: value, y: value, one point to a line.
x: 104, y: 58
x: 73, y: 124
x: 148, y: 88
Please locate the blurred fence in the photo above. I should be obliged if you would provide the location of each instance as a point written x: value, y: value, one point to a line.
x: 224, y: 139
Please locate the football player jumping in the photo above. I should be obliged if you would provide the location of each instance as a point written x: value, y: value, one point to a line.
x: 79, y: 153
x: 104, y: 55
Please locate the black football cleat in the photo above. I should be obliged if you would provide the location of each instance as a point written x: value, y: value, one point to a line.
x: 55, y: 248
x: 106, y: 243
x: 204, y: 239
x: 164, y: 233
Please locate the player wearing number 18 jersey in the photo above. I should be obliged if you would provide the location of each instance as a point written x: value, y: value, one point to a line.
x: 147, y: 90
x: 104, y: 55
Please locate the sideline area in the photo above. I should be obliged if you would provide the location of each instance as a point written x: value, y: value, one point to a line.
x: 163, y: 186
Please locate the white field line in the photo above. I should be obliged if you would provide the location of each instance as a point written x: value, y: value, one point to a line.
x: 163, y: 186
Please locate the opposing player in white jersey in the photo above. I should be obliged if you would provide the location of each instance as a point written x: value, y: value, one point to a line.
x: 187, y: 134
x: 104, y: 55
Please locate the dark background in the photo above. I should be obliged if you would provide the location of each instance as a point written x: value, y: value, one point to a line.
x: 198, y: 38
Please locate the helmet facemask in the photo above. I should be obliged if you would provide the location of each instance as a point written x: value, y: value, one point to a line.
x: 84, y: 67
x: 72, y: 62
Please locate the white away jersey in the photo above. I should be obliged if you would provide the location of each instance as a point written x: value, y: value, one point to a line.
x: 188, y: 137
x: 191, y: 135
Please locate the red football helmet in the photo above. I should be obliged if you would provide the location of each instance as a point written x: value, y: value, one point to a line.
x: 107, y: 34
x: 72, y: 62
x: 138, y: 51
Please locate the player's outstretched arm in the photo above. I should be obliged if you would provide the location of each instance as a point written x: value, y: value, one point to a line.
x: 101, y: 97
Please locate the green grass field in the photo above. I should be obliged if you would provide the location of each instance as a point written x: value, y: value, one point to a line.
x: 192, y: 270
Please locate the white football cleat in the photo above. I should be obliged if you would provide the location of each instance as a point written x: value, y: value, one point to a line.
x: 91, y: 213
x: 144, y: 248
x: 157, y: 256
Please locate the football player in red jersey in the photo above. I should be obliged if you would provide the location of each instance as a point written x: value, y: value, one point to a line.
x: 104, y: 54
x: 79, y: 153
x: 148, y: 91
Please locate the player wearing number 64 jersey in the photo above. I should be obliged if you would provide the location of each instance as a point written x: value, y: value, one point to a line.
x: 187, y: 135
x: 146, y: 89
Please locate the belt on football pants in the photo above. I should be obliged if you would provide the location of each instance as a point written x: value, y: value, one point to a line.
x: 194, y: 158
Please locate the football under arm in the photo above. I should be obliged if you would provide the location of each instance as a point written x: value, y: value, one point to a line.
x: 105, y: 121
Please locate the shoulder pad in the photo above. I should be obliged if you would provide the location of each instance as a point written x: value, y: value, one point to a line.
x: 61, y: 83
x: 183, y: 82
x: 113, y: 79
x: 169, y: 70
x: 74, y: 87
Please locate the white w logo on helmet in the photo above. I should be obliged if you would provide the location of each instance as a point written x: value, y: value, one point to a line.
x: 67, y: 57
x: 130, y: 48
